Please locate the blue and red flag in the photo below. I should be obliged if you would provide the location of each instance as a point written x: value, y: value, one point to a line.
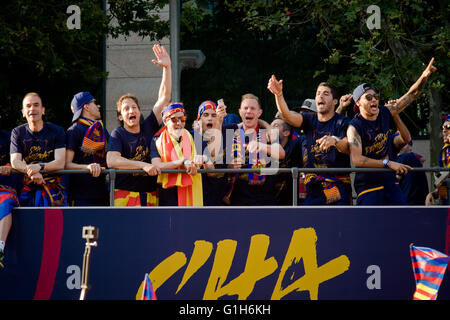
x: 148, y: 293
x: 429, y: 267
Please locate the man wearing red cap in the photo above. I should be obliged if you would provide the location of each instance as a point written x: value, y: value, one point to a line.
x: 173, y: 148
x: 370, y: 146
x: 86, y: 149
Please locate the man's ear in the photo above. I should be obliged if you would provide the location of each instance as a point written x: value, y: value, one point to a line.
x: 43, y: 110
x: 260, y: 111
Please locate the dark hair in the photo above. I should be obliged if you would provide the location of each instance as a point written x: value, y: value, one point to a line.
x: 333, y: 89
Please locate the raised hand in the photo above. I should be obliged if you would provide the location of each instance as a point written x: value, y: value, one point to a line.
x: 429, y: 69
x: 163, y: 58
x: 275, y: 86
x: 345, y: 100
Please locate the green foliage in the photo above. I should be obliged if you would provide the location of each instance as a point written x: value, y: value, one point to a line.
x: 38, y: 52
x: 391, y: 58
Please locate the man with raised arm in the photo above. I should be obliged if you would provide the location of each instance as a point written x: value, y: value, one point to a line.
x: 38, y: 145
x: 370, y: 146
x: 326, y: 144
x: 129, y: 145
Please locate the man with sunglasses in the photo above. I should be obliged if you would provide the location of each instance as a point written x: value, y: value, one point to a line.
x: 129, y: 144
x: 370, y: 145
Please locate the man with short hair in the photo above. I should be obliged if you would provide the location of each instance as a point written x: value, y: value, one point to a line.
x: 86, y: 149
x: 38, y: 145
x: 129, y: 144
x: 370, y: 146
x: 282, y: 132
x: 325, y: 142
x: 250, y: 149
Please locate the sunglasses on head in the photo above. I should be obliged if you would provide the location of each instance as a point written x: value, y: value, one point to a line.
x: 446, y: 126
x: 178, y: 119
x: 369, y: 96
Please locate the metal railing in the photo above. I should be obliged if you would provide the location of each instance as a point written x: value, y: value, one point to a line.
x: 112, y: 174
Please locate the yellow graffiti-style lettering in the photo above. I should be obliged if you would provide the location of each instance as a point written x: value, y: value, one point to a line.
x: 303, y: 246
x: 164, y: 271
x: 202, y: 251
x: 256, y: 268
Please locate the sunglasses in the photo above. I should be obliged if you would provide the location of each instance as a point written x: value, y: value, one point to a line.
x: 446, y: 127
x: 178, y: 119
x: 370, y: 96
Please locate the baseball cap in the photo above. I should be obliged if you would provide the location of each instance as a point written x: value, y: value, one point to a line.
x: 360, y: 90
x: 309, y: 104
x: 78, y: 102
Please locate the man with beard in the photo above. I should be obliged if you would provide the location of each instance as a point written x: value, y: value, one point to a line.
x: 326, y: 144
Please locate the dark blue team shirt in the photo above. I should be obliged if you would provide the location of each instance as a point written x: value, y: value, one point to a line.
x: 283, y: 181
x: 314, y: 129
x: 84, y: 186
x: 376, y: 144
x: 39, y: 146
x: 13, y: 180
x: 414, y: 184
x: 135, y: 146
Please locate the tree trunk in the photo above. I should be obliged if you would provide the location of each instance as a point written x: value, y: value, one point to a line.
x: 434, y: 96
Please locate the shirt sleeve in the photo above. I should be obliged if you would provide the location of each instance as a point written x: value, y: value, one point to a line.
x: 73, y: 139
x: 153, y: 150
x: 60, y: 141
x: 115, y: 142
x: 16, y: 146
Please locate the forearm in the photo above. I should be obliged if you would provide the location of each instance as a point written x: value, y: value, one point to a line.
x: 17, y: 163
x: 165, y: 91
x: 342, y: 146
x: 275, y: 151
x: 293, y: 118
x: 54, y: 165
x: 403, y: 130
x: 118, y: 162
x: 167, y: 165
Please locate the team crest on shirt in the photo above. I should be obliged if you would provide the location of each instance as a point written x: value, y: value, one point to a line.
x: 379, y: 144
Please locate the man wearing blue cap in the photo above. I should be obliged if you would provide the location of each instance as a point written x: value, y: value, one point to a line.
x: 370, y: 146
x: 86, y: 149
x: 38, y: 145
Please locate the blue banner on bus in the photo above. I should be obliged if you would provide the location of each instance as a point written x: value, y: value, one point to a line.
x: 221, y: 252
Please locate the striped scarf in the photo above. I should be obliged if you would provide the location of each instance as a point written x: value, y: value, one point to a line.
x: 255, y: 159
x: 94, y: 140
x: 190, y: 191
x: 8, y: 200
x: 444, y: 156
x: 330, y: 190
x: 50, y: 194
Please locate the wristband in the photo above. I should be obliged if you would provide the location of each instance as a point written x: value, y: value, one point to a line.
x: 385, y: 163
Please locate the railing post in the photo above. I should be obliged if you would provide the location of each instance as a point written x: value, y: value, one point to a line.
x: 294, y: 186
x: 112, y: 185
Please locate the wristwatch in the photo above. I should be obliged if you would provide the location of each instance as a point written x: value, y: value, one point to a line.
x: 385, y: 163
x: 42, y: 165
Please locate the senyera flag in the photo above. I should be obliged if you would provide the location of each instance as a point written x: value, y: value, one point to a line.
x: 147, y: 291
x: 429, y: 267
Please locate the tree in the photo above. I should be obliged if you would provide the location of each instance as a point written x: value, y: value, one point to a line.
x: 39, y: 52
x: 390, y: 57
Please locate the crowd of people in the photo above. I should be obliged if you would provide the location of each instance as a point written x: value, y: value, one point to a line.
x: 316, y: 135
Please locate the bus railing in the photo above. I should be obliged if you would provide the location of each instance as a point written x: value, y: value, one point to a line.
x: 112, y: 174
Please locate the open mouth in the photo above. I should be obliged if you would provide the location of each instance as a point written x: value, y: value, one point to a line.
x: 209, y: 125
